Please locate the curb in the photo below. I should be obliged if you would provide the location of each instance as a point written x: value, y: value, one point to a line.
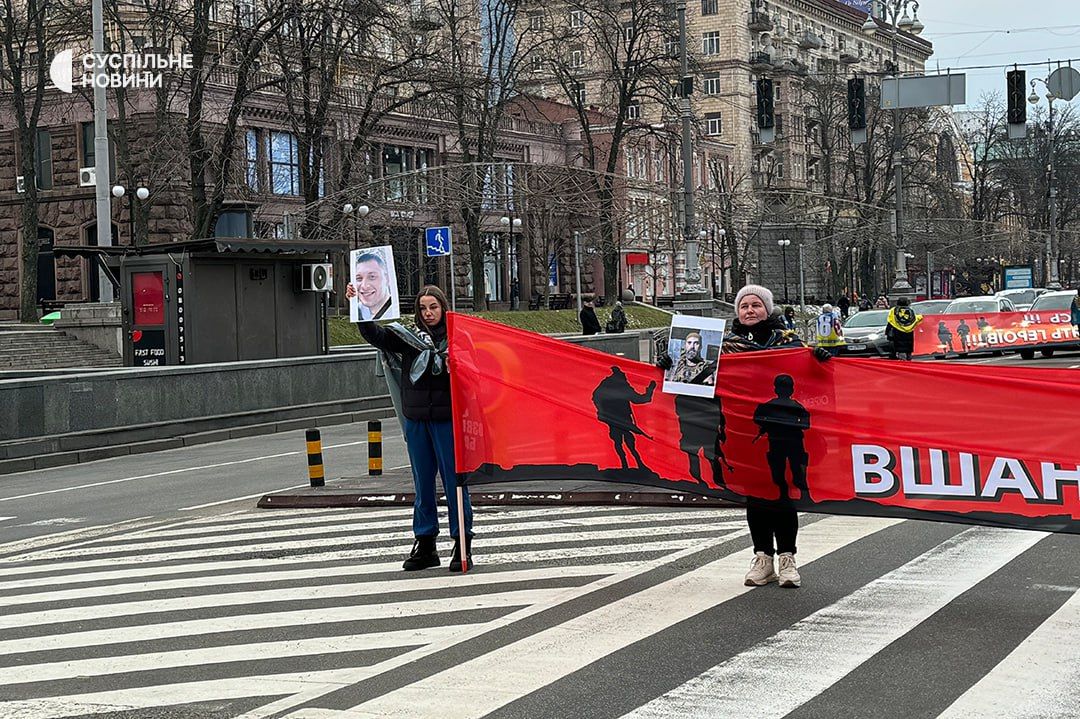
x: 325, y: 500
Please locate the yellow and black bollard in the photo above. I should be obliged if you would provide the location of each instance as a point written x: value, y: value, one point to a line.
x: 314, y: 458
x: 374, y: 440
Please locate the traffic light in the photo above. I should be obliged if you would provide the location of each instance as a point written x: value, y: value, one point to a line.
x: 856, y: 103
x: 765, y: 119
x: 1016, y: 90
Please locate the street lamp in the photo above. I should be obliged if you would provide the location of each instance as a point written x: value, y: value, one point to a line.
x: 893, y: 14
x: 1051, y: 276
x: 702, y: 236
x: 349, y: 210
x: 783, y: 249
x: 143, y: 194
x: 512, y: 224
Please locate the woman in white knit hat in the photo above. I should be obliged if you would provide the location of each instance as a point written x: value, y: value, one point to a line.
x: 774, y: 526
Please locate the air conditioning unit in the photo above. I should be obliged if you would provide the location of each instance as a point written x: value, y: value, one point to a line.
x: 20, y: 184
x: 317, y: 278
x: 87, y: 176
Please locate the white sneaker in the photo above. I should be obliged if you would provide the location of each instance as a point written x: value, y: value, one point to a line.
x: 761, y: 571
x: 789, y: 574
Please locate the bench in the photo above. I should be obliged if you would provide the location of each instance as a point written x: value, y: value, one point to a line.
x: 560, y: 301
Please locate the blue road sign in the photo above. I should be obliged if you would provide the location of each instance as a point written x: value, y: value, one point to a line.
x: 437, y: 241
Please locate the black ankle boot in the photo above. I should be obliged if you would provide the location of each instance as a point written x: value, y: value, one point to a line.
x: 455, y: 561
x: 423, y: 555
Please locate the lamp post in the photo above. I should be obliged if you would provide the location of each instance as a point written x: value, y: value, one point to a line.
x: 142, y: 194
x: 356, y: 213
x: 686, y: 113
x: 894, y: 15
x: 512, y: 223
x: 1050, y: 276
x: 723, y: 233
x: 783, y: 250
x: 702, y: 236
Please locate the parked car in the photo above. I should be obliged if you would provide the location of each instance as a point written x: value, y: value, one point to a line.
x: 1060, y: 301
x: 930, y: 307
x: 979, y: 304
x: 864, y: 334
x: 1023, y: 298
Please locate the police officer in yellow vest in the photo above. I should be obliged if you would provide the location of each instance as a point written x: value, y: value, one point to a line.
x: 830, y: 334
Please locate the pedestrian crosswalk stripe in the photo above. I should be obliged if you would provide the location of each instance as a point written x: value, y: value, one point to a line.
x: 812, y: 654
x: 269, y: 620
x: 400, y: 536
x: 103, y: 666
x: 356, y: 529
x: 321, y: 592
x: 275, y: 570
x: 1032, y: 682
x: 502, y: 675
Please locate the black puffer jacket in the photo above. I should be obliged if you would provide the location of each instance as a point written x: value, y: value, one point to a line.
x: 428, y: 399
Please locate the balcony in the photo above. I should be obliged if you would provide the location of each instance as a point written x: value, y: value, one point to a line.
x: 810, y: 41
x: 759, y: 21
x: 760, y: 62
x: 846, y: 58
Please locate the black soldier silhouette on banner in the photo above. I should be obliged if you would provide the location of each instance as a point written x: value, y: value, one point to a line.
x: 784, y: 421
x: 963, y: 329
x: 945, y: 335
x: 614, y: 397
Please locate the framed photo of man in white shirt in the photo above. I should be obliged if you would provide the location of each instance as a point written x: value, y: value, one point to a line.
x: 372, y: 289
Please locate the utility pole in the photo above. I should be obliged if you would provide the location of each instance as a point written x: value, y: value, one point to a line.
x: 103, y: 203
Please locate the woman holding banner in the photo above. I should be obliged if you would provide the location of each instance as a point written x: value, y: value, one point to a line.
x: 429, y: 429
x: 774, y: 526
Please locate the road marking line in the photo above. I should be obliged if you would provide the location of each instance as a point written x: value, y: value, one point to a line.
x: 174, y: 471
x: 362, y: 588
x: 820, y: 650
x: 237, y: 499
x: 130, y: 663
x: 1037, y: 680
x: 269, y: 620
x: 4, y: 519
x: 402, y: 536
x: 278, y: 569
x: 352, y: 528
x: 514, y: 670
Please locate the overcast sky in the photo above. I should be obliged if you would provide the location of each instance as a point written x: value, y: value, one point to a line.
x: 966, y: 33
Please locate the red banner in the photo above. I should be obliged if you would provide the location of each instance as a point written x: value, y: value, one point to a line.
x: 974, y: 444
x: 942, y: 335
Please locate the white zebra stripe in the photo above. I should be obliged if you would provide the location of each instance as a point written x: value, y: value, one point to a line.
x: 274, y: 570
x: 361, y: 588
x: 104, y: 666
x: 1037, y: 680
x: 319, y: 615
x: 352, y: 528
x: 505, y: 674
x: 813, y: 654
x: 403, y: 537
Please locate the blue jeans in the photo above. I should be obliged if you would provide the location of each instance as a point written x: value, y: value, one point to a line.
x: 431, y: 449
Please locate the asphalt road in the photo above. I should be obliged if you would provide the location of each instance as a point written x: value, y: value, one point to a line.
x: 149, y: 587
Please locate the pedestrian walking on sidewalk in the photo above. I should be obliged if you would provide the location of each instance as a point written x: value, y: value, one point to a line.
x: 429, y: 429
x: 590, y: 325
x: 774, y: 525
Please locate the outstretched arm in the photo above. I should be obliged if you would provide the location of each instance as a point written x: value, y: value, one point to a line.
x: 378, y: 336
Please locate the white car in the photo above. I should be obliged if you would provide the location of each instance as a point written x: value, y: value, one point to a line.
x: 980, y: 305
x: 1023, y: 298
x: 1060, y: 301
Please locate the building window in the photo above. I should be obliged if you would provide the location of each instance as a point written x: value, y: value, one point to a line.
x: 714, y: 124
x: 659, y: 166
x: 43, y: 152
x: 778, y: 124
x: 245, y: 13
x: 671, y: 45
x: 628, y: 32
x: 393, y: 167
x: 712, y: 84
x: 284, y: 164
x: 633, y: 110
x: 676, y: 90
x: 710, y: 43
x: 536, y: 21
x: 89, y: 153
x: 577, y: 58
x: 577, y: 18
x: 252, y: 143
x: 776, y: 91
x: 710, y: 7
x: 578, y: 90
x: 537, y: 63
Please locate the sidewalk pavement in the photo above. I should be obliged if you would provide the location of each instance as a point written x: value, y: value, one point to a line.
x: 395, y: 488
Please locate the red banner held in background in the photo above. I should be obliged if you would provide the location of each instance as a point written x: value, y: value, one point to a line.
x: 941, y: 335
x: 975, y: 444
